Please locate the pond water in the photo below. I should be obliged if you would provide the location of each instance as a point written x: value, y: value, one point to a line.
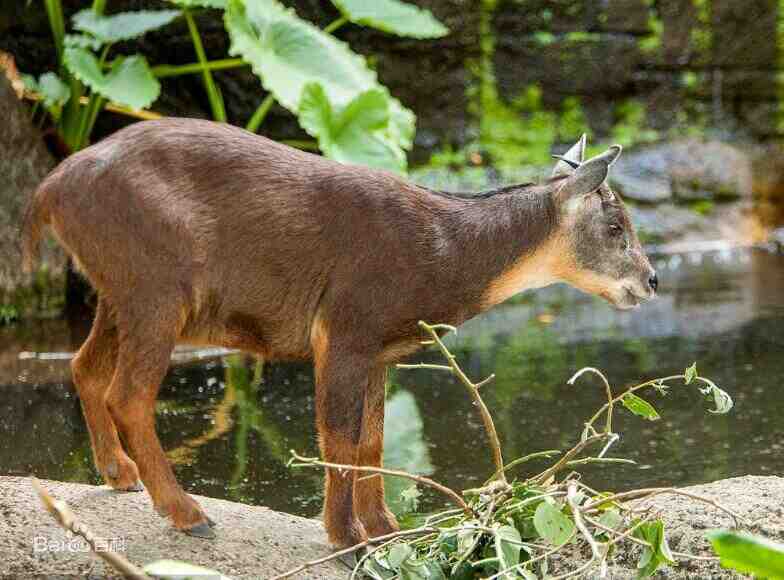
x: 230, y: 437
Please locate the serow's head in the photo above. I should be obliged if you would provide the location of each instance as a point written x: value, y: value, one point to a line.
x: 601, y: 252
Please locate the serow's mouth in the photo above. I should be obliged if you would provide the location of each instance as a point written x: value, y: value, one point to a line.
x: 628, y: 300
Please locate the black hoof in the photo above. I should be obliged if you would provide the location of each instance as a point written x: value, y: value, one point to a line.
x: 201, y: 531
x: 136, y: 487
x: 131, y: 488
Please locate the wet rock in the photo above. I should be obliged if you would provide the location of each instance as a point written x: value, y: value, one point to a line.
x: 686, y: 170
x: 24, y: 162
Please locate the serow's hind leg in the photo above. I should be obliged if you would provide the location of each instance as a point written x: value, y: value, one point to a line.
x: 93, y: 368
x: 369, y: 489
x: 144, y: 354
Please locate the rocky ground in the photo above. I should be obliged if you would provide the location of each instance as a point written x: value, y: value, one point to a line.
x: 257, y: 542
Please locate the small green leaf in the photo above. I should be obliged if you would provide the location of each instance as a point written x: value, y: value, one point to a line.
x: 392, y: 16
x: 129, y: 82
x: 611, y: 518
x: 53, y: 90
x: 181, y: 571
x: 507, y: 546
x: 658, y: 554
x: 354, y: 134
x: 721, y: 398
x: 121, y: 26
x: 640, y: 407
x: 398, y: 554
x: 749, y: 554
x: 690, y: 373
x: 552, y: 525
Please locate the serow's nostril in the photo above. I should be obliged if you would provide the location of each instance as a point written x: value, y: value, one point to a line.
x: 653, y: 281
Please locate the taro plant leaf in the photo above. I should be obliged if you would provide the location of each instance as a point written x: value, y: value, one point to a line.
x: 287, y: 52
x: 659, y: 554
x: 83, y: 41
x: 749, y: 553
x: 129, y: 82
x: 280, y: 48
x: 220, y: 4
x: 392, y: 16
x: 355, y: 133
x: 376, y: 570
x: 552, y: 525
x: 640, y: 407
x: 507, y: 546
x: 690, y: 373
x: 181, y: 571
x: 54, y: 91
x: 121, y: 26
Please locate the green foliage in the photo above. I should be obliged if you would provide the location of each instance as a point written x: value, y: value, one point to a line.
x: 8, y: 313
x: 749, y: 554
x: 122, y: 26
x: 129, y: 81
x: 508, y: 530
x: 353, y: 117
x: 392, y: 16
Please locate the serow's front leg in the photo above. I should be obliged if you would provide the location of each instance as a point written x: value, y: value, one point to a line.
x: 369, y: 488
x: 341, y: 380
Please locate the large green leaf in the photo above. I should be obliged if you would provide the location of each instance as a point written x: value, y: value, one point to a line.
x: 287, y: 52
x: 552, y: 525
x: 129, y: 82
x: 122, y: 26
x: 392, y: 16
x: 355, y: 133
x: 749, y: 554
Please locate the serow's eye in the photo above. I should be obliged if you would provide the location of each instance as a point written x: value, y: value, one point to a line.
x: 615, y: 230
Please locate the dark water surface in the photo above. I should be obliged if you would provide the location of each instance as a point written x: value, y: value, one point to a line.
x: 230, y: 437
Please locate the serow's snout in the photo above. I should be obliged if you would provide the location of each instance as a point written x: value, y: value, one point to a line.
x: 653, y: 282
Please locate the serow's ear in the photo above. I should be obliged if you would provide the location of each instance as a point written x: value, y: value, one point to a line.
x: 572, y: 158
x: 590, y: 176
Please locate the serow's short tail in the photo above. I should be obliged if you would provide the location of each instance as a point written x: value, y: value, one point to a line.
x: 33, y: 223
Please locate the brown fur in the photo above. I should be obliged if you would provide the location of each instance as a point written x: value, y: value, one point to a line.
x: 199, y: 232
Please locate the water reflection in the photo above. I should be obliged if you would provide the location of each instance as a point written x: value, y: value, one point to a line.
x: 228, y: 423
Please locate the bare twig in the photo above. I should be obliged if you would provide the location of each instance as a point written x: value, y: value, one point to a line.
x: 653, y: 491
x: 63, y: 515
x: 596, y: 551
x: 562, y: 463
x: 473, y: 390
x: 354, y: 548
x: 310, y: 461
x: 608, y: 390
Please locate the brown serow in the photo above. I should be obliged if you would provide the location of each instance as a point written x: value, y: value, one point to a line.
x: 202, y: 233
